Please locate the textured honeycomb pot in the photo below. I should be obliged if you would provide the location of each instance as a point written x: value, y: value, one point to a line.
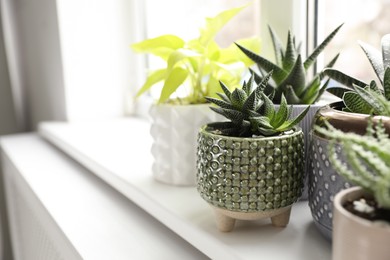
x: 250, y: 178
x: 354, y: 237
x: 174, y: 130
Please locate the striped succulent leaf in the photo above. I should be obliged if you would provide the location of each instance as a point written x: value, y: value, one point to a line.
x: 358, y: 96
x: 289, y: 72
x: 251, y: 112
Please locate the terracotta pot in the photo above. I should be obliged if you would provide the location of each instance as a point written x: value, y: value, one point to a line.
x: 174, y: 130
x: 250, y: 178
x: 324, y: 181
x: 354, y: 237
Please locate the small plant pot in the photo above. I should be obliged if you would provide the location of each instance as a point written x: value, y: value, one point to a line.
x: 355, y: 237
x: 174, y: 130
x: 250, y: 178
x: 324, y: 180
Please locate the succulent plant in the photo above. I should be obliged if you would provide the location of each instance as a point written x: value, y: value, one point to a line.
x: 360, y: 97
x: 251, y: 112
x: 367, y: 157
x: 290, y: 71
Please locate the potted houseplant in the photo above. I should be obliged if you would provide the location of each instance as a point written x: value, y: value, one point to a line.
x: 193, y: 67
x: 251, y: 166
x: 361, y: 224
x: 359, y: 101
x: 290, y: 77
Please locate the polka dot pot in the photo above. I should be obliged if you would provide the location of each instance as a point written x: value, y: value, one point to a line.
x: 250, y: 178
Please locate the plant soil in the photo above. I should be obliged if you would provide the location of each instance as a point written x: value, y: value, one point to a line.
x: 377, y: 214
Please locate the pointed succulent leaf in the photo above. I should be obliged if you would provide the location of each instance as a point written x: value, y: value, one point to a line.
x: 278, y: 47
x: 338, y: 91
x: 290, y: 56
x: 225, y: 90
x: 333, y: 61
x: 291, y: 96
x: 251, y: 102
x: 261, y: 121
x: 312, y: 58
x: 293, y: 122
x: 386, y: 83
x: 374, y: 87
x: 386, y: 51
x: 234, y: 115
x: 355, y: 103
x: 278, y: 73
x: 368, y: 96
x: 223, y: 97
x: 238, y: 98
x: 220, y: 103
x: 296, y: 78
x: 281, y: 114
x: 320, y: 92
x: 374, y: 56
x: 342, y: 78
x: 248, y: 86
x: 268, y: 107
x: 311, y: 89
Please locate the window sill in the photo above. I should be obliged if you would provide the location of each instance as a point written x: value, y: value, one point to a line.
x: 118, y: 151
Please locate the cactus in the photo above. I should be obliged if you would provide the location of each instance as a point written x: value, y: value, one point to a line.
x: 360, y: 97
x: 367, y: 157
x: 251, y: 112
x: 290, y: 71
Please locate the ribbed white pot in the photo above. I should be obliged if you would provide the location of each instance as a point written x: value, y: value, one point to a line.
x: 174, y: 130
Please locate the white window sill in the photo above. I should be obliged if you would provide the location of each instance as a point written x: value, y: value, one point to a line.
x: 118, y: 151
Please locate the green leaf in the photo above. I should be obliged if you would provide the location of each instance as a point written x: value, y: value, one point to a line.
x: 238, y: 98
x: 311, y: 90
x: 291, y: 96
x: 278, y: 47
x: 291, y: 123
x: 290, y: 56
x: 176, y: 77
x: 233, y: 54
x: 223, y: 97
x: 375, y: 58
x: 220, y: 103
x: 278, y: 74
x: 235, y: 116
x: 312, y: 58
x: 268, y: 107
x: 214, y: 25
x: 179, y: 55
x: 386, y: 83
x: 160, y: 46
x: 343, y: 78
x: 320, y: 92
x: 280, y: 115
x: 338, y: 91
x: 296, y: 78
x: 386, y: 51
x: 356, y: 104
x: 152, y: 79
x: 367, y: 95
x: 225, y: 90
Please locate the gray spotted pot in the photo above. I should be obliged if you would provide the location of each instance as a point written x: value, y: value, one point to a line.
x: 250, y: 178
x: 324, y: 184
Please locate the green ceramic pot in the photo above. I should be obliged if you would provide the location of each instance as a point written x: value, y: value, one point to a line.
x: 254, y: 176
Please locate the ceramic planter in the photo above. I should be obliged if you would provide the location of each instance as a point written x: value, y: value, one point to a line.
x: 250, y: 178
x: 324, y: 181
x: 306, y: 125
x: 354, y: 237
x: 174, y: 130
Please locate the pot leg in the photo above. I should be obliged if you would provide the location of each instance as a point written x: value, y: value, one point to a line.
x: 224, y: 223
x: 282, y: 219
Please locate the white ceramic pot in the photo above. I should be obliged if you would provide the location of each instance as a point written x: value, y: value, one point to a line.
x: 354, y: 237
x: 174, y: 130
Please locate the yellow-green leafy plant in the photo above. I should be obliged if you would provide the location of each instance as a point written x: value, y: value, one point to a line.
x: 197, y: 64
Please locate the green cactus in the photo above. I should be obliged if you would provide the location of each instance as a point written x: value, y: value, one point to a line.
x: 290, y: 71
x: 360, y: 97
x: 251, y: 112
x: 368, y: 159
